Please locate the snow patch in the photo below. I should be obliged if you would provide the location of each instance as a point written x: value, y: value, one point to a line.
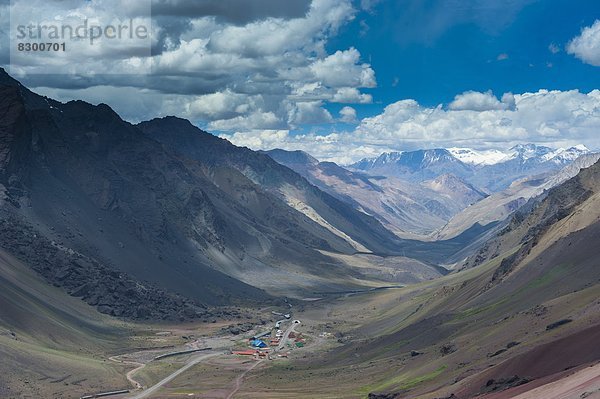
x: 477, y: 157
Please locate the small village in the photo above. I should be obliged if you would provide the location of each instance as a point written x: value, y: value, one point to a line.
x: 275, y: 343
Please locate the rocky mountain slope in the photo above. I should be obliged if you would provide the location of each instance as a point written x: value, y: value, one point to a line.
x: 357, y: 230
x: 538, y: 286
x: 567, y: 208
x: 408, y: 209
x: 501, y: 205
x: 53, y: 345
x: 170, y: 211
x: 445, y: 206
x: 85, y: 179
x: 526, y: 317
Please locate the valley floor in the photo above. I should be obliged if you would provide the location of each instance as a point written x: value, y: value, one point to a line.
x: 458, y: 336
x: 427, y: 340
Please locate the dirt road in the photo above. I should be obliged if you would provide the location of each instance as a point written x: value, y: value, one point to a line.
x: 286, y: 335
x: 238, y: 381
x: 191, y: 363
x: 130, y: 373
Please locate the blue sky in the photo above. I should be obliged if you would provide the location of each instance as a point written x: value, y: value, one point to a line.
x: 344, y: 79
x: 419, y: 54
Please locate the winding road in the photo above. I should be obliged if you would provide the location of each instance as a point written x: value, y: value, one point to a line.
x: 194, y: 360
x: 130, y: 373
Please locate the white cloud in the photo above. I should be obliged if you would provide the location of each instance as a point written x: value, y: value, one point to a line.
x: 342, y: 69
x: 258, y: 119
x: 106, y: 47
x: 219, y: 105
x: 333, y: 146
x: 272, y: 72
x: 368, y: 5
x: 348, y: 115
x: 543, y: 116
x: 556, y: 118
x: 502, y: 57
x: 586, y: 46
x: 259, y: 139
x: 351, y: 95
x: 309, y: 113
x: 477, y: 101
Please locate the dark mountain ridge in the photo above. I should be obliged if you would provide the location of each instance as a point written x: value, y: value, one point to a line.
x: 184, y: 138
x: 166, y: 203
x: 74, y: 173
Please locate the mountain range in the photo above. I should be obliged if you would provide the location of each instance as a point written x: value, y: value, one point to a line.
x: 220, y: 224
x: 444, y: 273
x: 441, y: 193
x: 519, y: 321
x: 165, y: 203
x: 490, y: 170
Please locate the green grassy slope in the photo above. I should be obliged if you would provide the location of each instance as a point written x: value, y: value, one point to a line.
x: 51, y: 344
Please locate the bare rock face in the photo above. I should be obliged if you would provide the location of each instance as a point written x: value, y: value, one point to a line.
x: 162, y: 204
x: 13, y: 136
x: 111, y: 292
x: 504, y: 383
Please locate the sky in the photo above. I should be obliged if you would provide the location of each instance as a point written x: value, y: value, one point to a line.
x: 340, y: 79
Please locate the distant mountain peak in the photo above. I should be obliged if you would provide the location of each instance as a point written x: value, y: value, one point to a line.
x: 171, y: 121
x: 567, y: 155
x: 412, y: 160
x: 175, y: 127
x: 292, y: 157
x: 527, y: 151
x: 477, y: 157
x: 580, y: 147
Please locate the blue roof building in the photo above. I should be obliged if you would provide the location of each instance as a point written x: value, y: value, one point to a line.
x: 257, y: 343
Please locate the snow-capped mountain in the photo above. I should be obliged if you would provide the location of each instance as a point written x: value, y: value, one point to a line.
x: 568, y: 155
x: 415, y: 165
x: 386, y: 158
x: 415, y: 193
x: 525, y: 152
x: 477, y: 157
x: 522, y: 152
x: 492, y: 170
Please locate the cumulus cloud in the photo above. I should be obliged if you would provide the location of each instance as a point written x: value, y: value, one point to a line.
x: 348, y: 115
x: 477, y: 101
x: 233, y: 66
x: 557, y: 118
x: 103, y: 37
x: 351, y: 95
x: 220, y: 105
x: 368, y: 5
x: 343, y: 69
x: 311, y: 112
x: 332, y: 147
x: 586, y: 46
